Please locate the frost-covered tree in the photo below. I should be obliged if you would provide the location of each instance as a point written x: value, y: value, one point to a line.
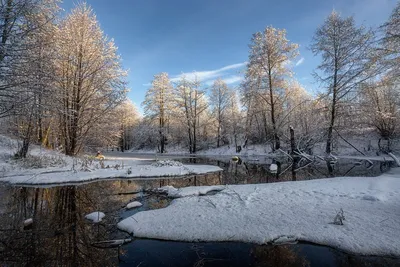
x: 267, y: 70
x: 128, y: 117
x: 20, y: 21
x: 297, y: 108
x: 34, y: 71
x: 234, y: 121
x: 391, y: 43
x: 90, y: 81
x: 381, y: 105
x: 305, y: 115
x: 191, y: 103
x: 158, y: 104
x: 145, y: 134
x: 346, y: 62
x: 220, y: 99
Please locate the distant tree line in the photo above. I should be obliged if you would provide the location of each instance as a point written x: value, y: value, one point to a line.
x: 358, y: 78
x: 62, y: 86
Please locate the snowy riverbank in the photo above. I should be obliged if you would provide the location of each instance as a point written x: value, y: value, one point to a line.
x: 131, y: 170
x: 45, y: 167
x: 283, y: 212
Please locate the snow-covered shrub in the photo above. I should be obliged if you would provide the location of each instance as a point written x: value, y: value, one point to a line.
x: 85, y: 164
x: 41, y: 161
x: 102, y: 164
x: 162, y: 163
x: 339, y: 218
x: 8, y: 142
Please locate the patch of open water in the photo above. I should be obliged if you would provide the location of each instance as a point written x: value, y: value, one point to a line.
x: 61, y: 236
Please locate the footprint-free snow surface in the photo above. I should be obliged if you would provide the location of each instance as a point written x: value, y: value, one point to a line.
x: 273, y: 213
x: 131, y: 170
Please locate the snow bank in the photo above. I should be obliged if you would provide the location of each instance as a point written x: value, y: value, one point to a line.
x: 287, y: 211
x: 96, y: 216
x: 163, y: 163
x: 133, y: 204
x: 45, y: 167
x: 189, y: 191
x: 131, y: 169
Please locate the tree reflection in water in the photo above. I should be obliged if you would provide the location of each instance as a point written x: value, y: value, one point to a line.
x: 61, y: 236
x: 283, y: 256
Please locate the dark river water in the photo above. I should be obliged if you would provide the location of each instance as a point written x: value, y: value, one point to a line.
x: 61, y: 236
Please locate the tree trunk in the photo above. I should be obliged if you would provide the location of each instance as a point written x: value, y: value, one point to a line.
x: 219, y: 133
x: 190, y: 140
x: 162, y: 143
x: 332, y: 120
x: 292, y: 141
x: 194, y: 137
x: 6, y: 29
x: 40, y: 120
x: 277, y: 144
x: 334, y: 103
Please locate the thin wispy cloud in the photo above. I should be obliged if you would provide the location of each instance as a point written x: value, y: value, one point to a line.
x: 233, y: 79
x: 300, y: 61
x: 228, y: 80
x: 206, y: 76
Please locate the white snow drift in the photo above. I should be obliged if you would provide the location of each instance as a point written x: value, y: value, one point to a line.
x: 131, y: 169
x: 96, y: 216
x: 270, y: 213
x: 189, y: 191
x: 134, y: 204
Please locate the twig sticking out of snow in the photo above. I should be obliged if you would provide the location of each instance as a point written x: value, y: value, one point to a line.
x: 339, y: 218
x: 210, y: 202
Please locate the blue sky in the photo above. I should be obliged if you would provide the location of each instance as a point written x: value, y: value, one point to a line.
x: 212, y: 36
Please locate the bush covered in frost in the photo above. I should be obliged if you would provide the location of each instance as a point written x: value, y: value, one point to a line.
x: 162, y: 163
x: 42, y: 161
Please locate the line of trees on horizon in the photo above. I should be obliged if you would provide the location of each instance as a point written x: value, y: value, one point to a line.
x: 62, y: 86
x: 358, y: 77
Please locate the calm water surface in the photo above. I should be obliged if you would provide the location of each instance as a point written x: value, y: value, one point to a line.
x: 61, y: 236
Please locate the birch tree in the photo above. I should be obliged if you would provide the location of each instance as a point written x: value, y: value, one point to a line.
x: 158, y: 104
x: 346, y: 62
x: 268, y: 67
x: 90, y: 81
